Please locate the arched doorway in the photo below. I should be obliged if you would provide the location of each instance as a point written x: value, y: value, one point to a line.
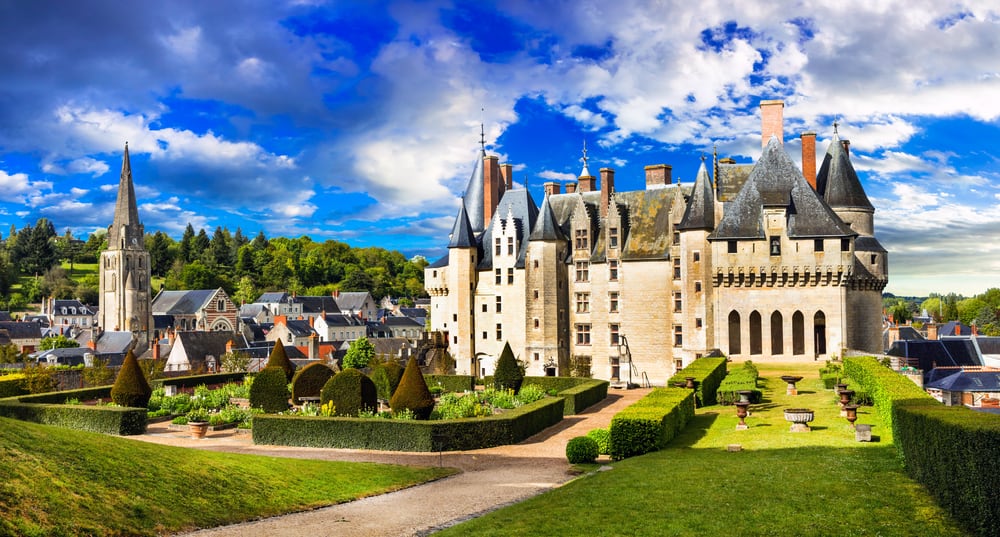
x: 777, y: 334
x: 798, y: 333
x: 734, y: 333
x: 756, y: 339
x: 819, y: 332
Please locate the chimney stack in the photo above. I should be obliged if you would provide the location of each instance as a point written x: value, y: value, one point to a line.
x: 607, y: 188
x: 552, y: 188
x: 492, y: 187
x: 809, y: 157
x: 587, y: 183
x: 658, y: 175
x: 570, y: 188
x: 771, y: 121
x: 507, y: 170
x: 958, y: 329
x: 932, y: 331
x: 156, y: 350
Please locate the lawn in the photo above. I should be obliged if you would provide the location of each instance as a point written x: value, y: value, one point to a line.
x: 818, y: 483
x: 56, y: 481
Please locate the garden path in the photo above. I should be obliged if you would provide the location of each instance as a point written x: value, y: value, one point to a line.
x: 490, y: 479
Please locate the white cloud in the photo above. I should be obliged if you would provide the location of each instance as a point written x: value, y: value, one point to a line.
x: 18, y: 187
x: 557, y: 176
x: 186, y: 43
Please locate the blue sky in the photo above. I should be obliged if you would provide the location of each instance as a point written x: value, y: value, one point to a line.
x: 359, y: 121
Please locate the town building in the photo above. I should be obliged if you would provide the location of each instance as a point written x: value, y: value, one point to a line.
x: 760, y: 261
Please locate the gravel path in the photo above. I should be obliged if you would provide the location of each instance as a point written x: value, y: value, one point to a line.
x: 490, y: 479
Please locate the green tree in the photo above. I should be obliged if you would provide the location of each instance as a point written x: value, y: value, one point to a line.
x: 279, y: 358
x: 246, y: 292
x: 508, y: 375
x: 98, y: 374
x: 968, y: 309
x: 234, y: 362
x: 221, y: 247
x: 40, y: 253
x: 186, y: 244
x: 195, y: 275
x: 57, y: 342
x: 131, y: 387
x: 200, y: 244
x: 159, y: 253
x: 359, y: 354
x: 900, y: 312
x: 11, y: 354
x: 56, y: 283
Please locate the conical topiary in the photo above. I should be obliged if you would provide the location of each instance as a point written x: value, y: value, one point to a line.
x: 386, y: 378
x: 509, y: 374
x: 309, y: 380
x: 279, y: 358
x: 131, y: 388
x: 350, y: 392
x: 269, y: 390
x: 412, y: 393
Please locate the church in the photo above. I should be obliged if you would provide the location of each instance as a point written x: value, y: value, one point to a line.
x: 761, y: 261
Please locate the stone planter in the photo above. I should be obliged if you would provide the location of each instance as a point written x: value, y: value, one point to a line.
x: 198, y: 429
x: 852, y: 414
x: 845, y: 399
x: 689, y: 382
x: 745, y: 395
x: 741, y: 413
x: 791, y: 380
x: 800, y: 418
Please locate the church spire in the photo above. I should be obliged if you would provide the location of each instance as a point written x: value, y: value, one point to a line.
x: 126, y: 230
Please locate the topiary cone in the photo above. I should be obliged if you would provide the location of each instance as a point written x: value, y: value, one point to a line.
x: 508, y: 375
x: 412, y: 393
x: 278, y: 358
x: 130, y: 388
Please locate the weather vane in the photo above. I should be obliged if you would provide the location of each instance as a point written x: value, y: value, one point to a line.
x: 585, y: 172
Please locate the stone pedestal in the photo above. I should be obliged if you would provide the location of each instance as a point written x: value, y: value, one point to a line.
x: 863, y: 432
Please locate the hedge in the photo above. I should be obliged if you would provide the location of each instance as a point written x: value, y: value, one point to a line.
x: 452, y: 383
x: 708, y: 374
x: 742, y: 379
x: 11, y: 386
x: 951, y: 450
x: 579, y: 393
x: 309, y: 380
x: 58, y: 398
x: 509, y: 427
x: 193, y: 381
x: 48, y: 408
x: 649, y: 423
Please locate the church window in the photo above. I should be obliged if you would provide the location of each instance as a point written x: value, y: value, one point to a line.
x: 510, y: 245
x: 510, y: 276
x: 613, y: 237
x: 613, y: 270
x: 499, y: 276
x: 583, y: 302
x: 583, y: 334
x: 775, y: 247
x: 818, y: 245
x: 613, y: 301
x: 582, y: 271
x: 731, y: 247
x: 496, y: 246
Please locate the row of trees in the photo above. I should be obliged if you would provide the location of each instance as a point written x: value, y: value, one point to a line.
x: 244, y: 267
x: 982, y: 310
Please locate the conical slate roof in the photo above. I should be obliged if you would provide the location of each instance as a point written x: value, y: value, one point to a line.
x: 546, y: 228
x: 474, y: 204
x: 462, y: 235
x: 775, y: 181
x: 837, y: 181
x: 700, y: 212
x: 126, y: 211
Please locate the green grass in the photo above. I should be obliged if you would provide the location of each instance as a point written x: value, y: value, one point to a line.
x: 80, y: 270
x: 57, y: 481
x: 782, y: 483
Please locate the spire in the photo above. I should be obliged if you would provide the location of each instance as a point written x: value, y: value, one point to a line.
x: 125, y: 231
x: 837, y: 181
x: 462, y: 235
x: 546, y: 228
x: 700, y: 212
x: 585, y: 172
x: 474, y: 198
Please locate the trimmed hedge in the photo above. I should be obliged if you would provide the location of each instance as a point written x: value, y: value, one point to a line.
x: 350, y: 392
x: 953, y: 451
x: 412, y: 393
x: 708, y: 374
x: 309, y: 380
x: 386, y: 378
x: 581, y: 450
x: 11, y: 386
x: 509, y: 427
x: 98, y: 419
x: 452, y: 383
x: 269, y: 390
x: 279, y: 358
x: 508, y: 374
x: 602, y: 437
x: 651, y: 422
x: 744, y: 378
x: 861, y: 395
x: 193, y: 381
x: 578, y: 393
x: 58, y: 398
x: 131, y: 389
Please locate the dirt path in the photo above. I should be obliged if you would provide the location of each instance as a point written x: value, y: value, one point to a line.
x: 490, y: 479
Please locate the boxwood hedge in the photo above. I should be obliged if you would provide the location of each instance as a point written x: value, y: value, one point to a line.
x: 509, y: 427
x: 192, y: 381
x: 743, y: 378
x: 708, y: 374
x: 47, y: 408
x: 452, y: 383
x: 649, y: 423
x: 12, y: 385
x: 579, y: 393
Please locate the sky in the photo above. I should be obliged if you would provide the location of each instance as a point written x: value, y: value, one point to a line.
x: 360, y: 121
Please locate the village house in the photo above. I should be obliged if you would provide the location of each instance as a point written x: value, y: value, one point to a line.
x: 205, y: 310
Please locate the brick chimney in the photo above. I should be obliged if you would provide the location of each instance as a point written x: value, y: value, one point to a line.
x: 809, y: 157
x: 847, y: 146
x: 607, y: 188
x: 587, y: 183
x: 507, y: 170
x: 313, y: 346
x: 932, y: 331
x: 552, y: 188
x: 975, y: 330
x: 958, y: 329
x: 312, y: 321
x: 492, y: 187
x: 771, y: 121
x: 658, y: 175
x: 156, y: 350
x: 570, y: 188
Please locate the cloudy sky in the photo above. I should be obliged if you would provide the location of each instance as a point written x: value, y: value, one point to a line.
x: 360, y: 121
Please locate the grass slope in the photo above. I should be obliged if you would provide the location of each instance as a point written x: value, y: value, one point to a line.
x: 817, y: 483
x: 56, y: 481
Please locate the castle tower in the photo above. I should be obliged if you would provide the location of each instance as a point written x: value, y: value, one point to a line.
x: 546, y: 324
x: 696, y: 265
x: 461, y: 276
x: 124, y: 270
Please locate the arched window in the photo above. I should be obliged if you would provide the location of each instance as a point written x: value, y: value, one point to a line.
x: 777, y: 335
x: 756, y: 345
x: 734, y: 333
x: 819, y: 332
x: 798, y: 333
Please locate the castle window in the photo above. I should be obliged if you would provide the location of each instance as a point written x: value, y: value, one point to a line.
x: 874, y: 259
x: 498, y: 303
x: 677, y: 302
x: 697, y: 322
x: 845, y: 245
x: 678, y: 335
x: 486, y: 307
x: 496, y: 246
x: 818, y: 245
x: 499, y: 331
x: 535, y: 263
x: 677, y: 268
x: 536, y: 294
x: 583, y: 334
x: 510, y: 276
x: 499, y: 276
x: 434, y: 274
x: 454, y: 317
x: 485, y: 334
x: 536, y: 356
x: 696, y: 257
x: 614, y: 328
x: 677, y: 237
x: 775, y: 247
x: 613, y: 301
x: 581, y: 239
x: 583, y: 302
x: 582, y: 271
x: 613, y: 270
x: 613, y: 237
x: 731, y: 247
x: 536, y: 323
x: 510, y: 245
x: 697, y: 287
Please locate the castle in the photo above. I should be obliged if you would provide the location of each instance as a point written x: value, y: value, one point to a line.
x: 761, y: 261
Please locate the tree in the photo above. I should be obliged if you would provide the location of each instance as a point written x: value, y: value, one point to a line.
x: 57, y: 342
x: 56, y: 283
x: 39, y: 253
x: 246, y: 292
x: 412, y: 393
x: 221, y: 247
x: 185, y: 249
x: 359, y: 354
x: 200, y: 244
x: 234, y: 362
x: 508, y: 375
x: 900, y: 312
x: 131, y: 388
x: 968, y: 309
x: 11, y: 354
x: 278, y: 358
x: 358, y: 280
x: 159, y: 253
x: 98, y: 374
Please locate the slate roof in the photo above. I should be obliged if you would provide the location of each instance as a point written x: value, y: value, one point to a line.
x: 181, y: 302
x: 73, y: 307
x: 545, y: 228
x: 648, y: 214
x: 413, y: 313
x: 273, y: 297
x: 440, y: 263
x: 352, y: 300
x: 928, y: 354
x: 252, y: 310
x: 299, y: 328
x: 775, y: 181
x: 837, y: 181
x: 318, y: 304
x: 198, y: 345
x: 700, y: 212
x: 967, y: 381
x: 462, y: 235
x: 340, y: 319
x: 114, y: 342
x: 390, y: 345
x: 402, y: 322
x: 5, y: 316
x: 22, y: 329
x: 126, y: 211
x: 521, y: 208
x: 948, y: 329
x: 730, y: 178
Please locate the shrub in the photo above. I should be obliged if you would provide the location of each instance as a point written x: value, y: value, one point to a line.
x: 452, y: 383
x: 269, y: 391
x: 412, y: 392
x: 386, y: 377
x: 11, y: 385
x: 649, y: 423
x: 581, y: 450
x: 350, y: 392
x: 742, y: 379
x: 279, y: 358
x: 708, y: 373
x: 508, y: 375
x: 130, y: 388
x: 577, y: 393
x: 359, y: 354
x: 309, y: 380
x: 603, y: 439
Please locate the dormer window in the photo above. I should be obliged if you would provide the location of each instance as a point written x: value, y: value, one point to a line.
x: 510, y: 245
x: 613, y: 237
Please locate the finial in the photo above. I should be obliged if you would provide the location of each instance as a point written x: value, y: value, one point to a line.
x: 585, y: 172
x: 482, y: 137
x: 703, y: 156
x: 835, y: 127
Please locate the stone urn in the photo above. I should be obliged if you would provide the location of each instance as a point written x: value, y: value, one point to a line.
x: 800, y: 418
x: 852, y: 414
x: 791, y: 380
x: 845, y: 399
x: 839, y: 387
x: 689, y: 383
x: 198, y: 429
x: 741, y: 413
x: 745, y: 395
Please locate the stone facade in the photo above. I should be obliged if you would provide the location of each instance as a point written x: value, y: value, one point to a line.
x: 754, y: 261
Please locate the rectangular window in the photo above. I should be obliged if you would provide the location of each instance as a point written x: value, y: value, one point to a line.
x: 818, y: 245
x: 696, y: 257
x: 499, y: 276
x: 677, y: 302
x: 697, y: 287
x: 613, y: 301
x: 498, y: 304
x: 534, y: 263
x: 536, y: 356
x: 845, y: 245
x: 486, y: 307
x: 582, y: 302
x: 583, y: 334
x: 454, y: 317
x: 678, y: 336
x: 536, y: 294
x: 536, y: 323
x: 581, y: 239
x: 613, y: 270
x: 677, y: 268
x: 485, y: 334
x: 496, y: 246
x: 874, y: 259
x: 731, y: 247
x: 499, y: 331
x: 434, y: 273
x: 775, y: 247
x: 510, y: 276
x: 510, y: 245
x: 221, y: 305
x: 613, y: 328
x: 677, y: 237
x: 582, y: 271
x: 697, y: 322
x: 613, y: 237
